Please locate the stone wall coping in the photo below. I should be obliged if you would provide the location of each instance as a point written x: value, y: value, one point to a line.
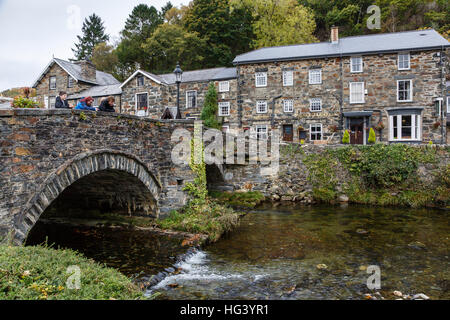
x: 60, y: 112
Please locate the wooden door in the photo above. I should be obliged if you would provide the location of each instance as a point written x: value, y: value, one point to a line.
x: 357, y: 133
x: 288, y: 133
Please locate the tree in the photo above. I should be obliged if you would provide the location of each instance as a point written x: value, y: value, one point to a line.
x: 279, y: 22
x: 104, y: 57
x: 228, y: 32
x: 210, y: 108
x: 171, y: 43
x: 139, y: 26
x: 372, y: 136
x: 93, y: 34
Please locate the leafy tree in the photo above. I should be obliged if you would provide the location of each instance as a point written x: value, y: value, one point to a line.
x: 171, y: 43
x: 372, y: 136
x: 93, y: 33
x: 228, y: 32
x: 167, y: 7
x: 104, y: 57
x: 210, y: 108
x: 279, y: 22
x: 346, y: 138
x: 139, y: 26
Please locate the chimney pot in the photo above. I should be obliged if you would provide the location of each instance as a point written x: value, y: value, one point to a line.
x: 334, y: 34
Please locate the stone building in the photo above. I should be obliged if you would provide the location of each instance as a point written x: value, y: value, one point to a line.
x: 151, y: 95
x: 391, y: 82
x: 79, y: 79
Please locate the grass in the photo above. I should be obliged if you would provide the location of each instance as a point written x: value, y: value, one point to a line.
x: 209, y: 218
x: 40, y: 273
x: 239, y: 199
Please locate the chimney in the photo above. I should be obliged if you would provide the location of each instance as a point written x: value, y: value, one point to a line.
x: 334, y: 34
x: 88, y: 71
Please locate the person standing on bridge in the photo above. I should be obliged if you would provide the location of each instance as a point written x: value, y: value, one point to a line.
x: 86, y: 104
x: 107, y: 105
x: 61, y: 101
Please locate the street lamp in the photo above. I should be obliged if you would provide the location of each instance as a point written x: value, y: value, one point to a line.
x: 178, y: 77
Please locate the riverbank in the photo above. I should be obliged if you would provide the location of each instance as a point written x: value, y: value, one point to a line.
x: 43, y: 273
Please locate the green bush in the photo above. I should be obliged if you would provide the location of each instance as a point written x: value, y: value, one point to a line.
x: 24, y: 103
x: 346, y: 138
x: 372, y: 136
x: 210, y: 108
x: 40, y: 273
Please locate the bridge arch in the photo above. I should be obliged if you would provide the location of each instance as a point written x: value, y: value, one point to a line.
x: 75, y: 170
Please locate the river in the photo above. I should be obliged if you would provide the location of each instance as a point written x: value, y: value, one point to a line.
x: 318, y: 252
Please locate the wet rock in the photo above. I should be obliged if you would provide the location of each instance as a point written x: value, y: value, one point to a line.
x: 343, y: 198
x: 322, y: 266
x: 286, y: 198
x: 398, y: 294
x: 276, y: 197
x: 420, y: 296
x: 417, y: 245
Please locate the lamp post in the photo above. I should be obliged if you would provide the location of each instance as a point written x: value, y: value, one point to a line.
x: 178, y: 77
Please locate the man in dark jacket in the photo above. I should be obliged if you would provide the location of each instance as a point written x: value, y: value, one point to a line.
x: 107, y: 105
x: 61, y: 101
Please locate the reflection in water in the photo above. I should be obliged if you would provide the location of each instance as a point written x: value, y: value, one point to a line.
x: 274, y: 254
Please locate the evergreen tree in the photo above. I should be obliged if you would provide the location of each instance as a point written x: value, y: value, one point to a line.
x: 210, y: 108
x: 372, y: 136
x: 346, y: 138
x: 93, y: 34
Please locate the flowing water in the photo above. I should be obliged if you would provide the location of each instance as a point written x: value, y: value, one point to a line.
x: 288, y: 253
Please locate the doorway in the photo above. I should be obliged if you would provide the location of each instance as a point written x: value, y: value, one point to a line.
x: 357, y: 130
x: 288, y: 132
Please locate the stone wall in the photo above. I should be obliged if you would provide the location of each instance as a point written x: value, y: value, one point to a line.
x: 44, y: 151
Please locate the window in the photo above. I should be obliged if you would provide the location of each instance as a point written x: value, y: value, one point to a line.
x: 288, y: 106
x: 288, y: 78
x: 140, y: 81
x: 224, y: 109
x: 224, y: 86
x: 403, y: 127
x: 448, y: 105
x: 315, y: 76
x: 404, y: 90
x: 261, y: 107
x: 357, y: 92
x: 52, y: 83
x: 261, y: 132
x: 315, y: 132
x: 356, y: 64
x: 315, y: 105
x: 191, y: 99
x: 404, y: 61
x: 70, y: 82
x: 52, y: 102
x: 141, y: 102
x: 261, y: 79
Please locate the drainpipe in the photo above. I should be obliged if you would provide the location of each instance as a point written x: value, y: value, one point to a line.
x: 341, y: 98
x: 239, y: 96
x: 273, y: 111
x: 444, y: 91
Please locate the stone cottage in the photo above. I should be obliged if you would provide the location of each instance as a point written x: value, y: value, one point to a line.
x: 153, y: 96
x: 79, y: 79
x: 394, y: 83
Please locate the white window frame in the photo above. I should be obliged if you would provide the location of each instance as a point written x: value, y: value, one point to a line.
x: 188, y: 106
x: 50, y: 84
x: 50, y: 104
x: 261, y: 103
x: 224, y: 105
x: 137, y: 80
x: 416, y: 127
x: 136, y: 102
x: 411, y: 90
x: 409, y: 61
x: 363, y: 92
x: 262, y: 76
x: 288, y: 78
x: 361, y: 65
x: 288, y: 105
x: 224, y: 86
x: 264, y: 134
x: 315, y: 132
x: 313, y: 104
x: 448, y: 105
x: 312, y: 76
x: 70, y: 82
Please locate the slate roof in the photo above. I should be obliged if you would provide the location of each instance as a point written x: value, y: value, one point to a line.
x: 378, y: 43
x: 202, y: 75
x: 74, y: 70
x: 98, y: 91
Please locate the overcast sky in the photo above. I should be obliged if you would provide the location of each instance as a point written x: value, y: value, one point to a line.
x: 32, y: 31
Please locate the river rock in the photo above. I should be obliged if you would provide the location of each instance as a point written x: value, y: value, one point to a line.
x: 343, y: 198
x: 420, y: 296
x: 417, y: 245
x: 322, y: 266
x: 398, y: 294
x: 286, y: 198
x: 276, y: 197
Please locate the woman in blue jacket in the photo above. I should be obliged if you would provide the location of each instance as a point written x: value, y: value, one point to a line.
x: 85, y: 104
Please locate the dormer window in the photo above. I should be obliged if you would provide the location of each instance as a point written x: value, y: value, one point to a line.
x: 404, y: 61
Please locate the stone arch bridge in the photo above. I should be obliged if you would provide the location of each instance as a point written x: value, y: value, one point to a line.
x: 88, y: 158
